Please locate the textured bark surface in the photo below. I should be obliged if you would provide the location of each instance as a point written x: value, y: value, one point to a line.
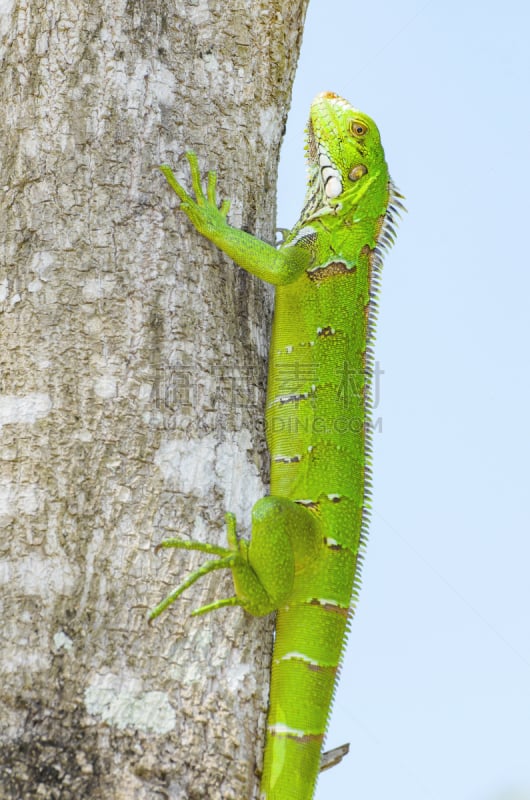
x: 131, y: 390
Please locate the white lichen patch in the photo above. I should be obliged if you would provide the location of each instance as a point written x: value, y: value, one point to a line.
x: 24, y: 409
x: 164, y: 85
x: 26, y: 661
x: 6, y: 503
x: 239, y: 677
x: 37, y: 575
x: 211, y: 64
x: 41, y: 263
x: 145, y: 392
x: 96, y: 288
x: 238, y: 475
x: 186, y: 465
x: 62, y: 642
x: 29, y: 498
x: 106, y: 387
x: 83, y: 435
x: 6, y: 6
x: 199, y: 13
x: 147, y: 81
x: 122, y: 702
x: 17, y: 499
x: 268, y: 122
x: 196, y: 467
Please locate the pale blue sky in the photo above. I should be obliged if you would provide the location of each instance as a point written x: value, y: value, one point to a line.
x: 435, y: 690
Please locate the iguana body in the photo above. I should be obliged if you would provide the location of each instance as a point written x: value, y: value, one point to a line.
x: 304, y: 552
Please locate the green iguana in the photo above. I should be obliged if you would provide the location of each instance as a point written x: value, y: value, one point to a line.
x: 307, y: 537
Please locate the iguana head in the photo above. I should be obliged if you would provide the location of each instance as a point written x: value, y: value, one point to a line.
x: 344, y: 154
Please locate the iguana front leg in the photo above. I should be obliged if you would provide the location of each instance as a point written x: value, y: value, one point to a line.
x: 278, y: 267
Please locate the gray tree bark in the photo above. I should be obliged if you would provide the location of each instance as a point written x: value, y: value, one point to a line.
x: 132, y: 384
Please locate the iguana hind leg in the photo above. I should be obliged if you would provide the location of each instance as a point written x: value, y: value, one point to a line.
x: 285, y: 539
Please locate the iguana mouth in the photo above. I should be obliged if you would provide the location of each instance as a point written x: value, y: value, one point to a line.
x: 319, y: 161
x: 324, y: 181
x: 330, y: 175
x: 326, y: 119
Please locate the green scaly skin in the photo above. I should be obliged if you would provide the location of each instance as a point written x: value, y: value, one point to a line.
x: 307, y: 536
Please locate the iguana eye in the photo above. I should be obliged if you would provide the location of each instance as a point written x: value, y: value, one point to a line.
x: 357, y: 172
x: 358, y: 129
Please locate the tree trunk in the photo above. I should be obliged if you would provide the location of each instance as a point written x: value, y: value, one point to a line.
x: 132, y: 385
